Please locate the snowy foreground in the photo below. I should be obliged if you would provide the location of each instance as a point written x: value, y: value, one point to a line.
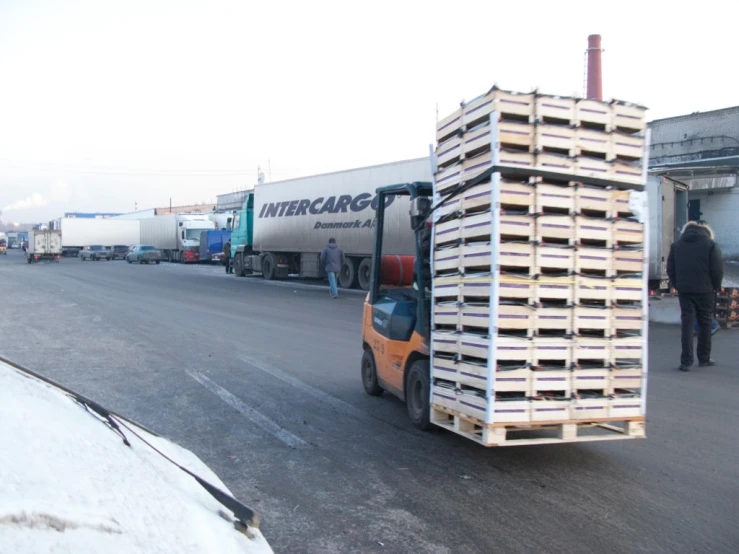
x: 68, y: 483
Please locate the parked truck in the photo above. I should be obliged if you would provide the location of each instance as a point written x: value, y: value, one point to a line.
x: 177, y: 236
x: 44, y: 244
x: 283, y: 226
x: 668, y: 213
x: 211, y: 245
x: 3, y: 244
x: 80, y: 232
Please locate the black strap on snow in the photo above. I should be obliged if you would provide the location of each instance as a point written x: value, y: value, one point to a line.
x: 243, y: 513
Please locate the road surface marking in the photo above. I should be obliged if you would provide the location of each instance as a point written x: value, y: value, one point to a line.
x: 324, y: 397
x: 251, y: 414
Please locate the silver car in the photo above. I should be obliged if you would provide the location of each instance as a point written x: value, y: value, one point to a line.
x: 95, y: 252
x: 143, y: 254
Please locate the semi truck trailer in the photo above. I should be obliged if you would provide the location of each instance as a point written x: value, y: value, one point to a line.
x: 283, y: 226
x: 80, y: 232
x: 177, y: 236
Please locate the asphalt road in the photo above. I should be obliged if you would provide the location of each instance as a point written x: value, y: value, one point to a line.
x: 262, y: 382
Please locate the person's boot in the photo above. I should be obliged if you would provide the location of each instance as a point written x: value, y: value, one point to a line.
x: 708, y: 363
x: 684, y: 367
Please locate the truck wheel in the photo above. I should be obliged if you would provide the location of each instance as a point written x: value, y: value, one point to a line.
x: 417, y: 394
x: 29, y: 259
x: 239, y: 265
x: 157, y: 262
x: 369, y: 374
x: 129, y: 261
x: 364, y: 273
x: 268, y: 267
x: 347, y: 274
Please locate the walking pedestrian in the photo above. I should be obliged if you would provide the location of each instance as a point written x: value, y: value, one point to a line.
x: 332, y: 258
x: 227, y: 256
x: 695, y: 267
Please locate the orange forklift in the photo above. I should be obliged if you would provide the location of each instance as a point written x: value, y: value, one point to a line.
x: 397, y: 312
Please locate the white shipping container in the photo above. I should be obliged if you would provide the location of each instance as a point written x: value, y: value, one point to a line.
x: 44, y: 243
x: 79, y: 232
x: 160, y: 231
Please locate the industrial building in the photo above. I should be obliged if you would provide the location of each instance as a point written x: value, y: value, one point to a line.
x: 702, y: 150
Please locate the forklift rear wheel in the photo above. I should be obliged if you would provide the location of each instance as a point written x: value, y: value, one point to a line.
x: 369, y: 374
x: 417, y: 394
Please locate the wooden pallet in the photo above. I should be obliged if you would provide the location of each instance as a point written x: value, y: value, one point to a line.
x: 540, y: 432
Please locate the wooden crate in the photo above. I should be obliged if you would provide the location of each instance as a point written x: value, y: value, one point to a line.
x: 448, y: 177
x: 593, y: 167
x: 627, y: 348
x: 592, y: 318
x: 449, y: 125
x: 595, y: 141
x: 627, y: 173
x: 554, y: 319
x: 628, y: 261
x: 516, y: 286
x: 508, y: 105
x: 451, y: 176
x: 476, y: 226
x: 449, y: 151
x: 593, y: 229
x: 513, y: 349
x: 476, y: 140
x: 448, y: 342
x: 467, y: 257
x: 447, y: 259
x: 518, y: 135
x: 592, y: 288
x: 460, y: 372
x: 628, y: 147
x: 620, y: 203
x: 628, y: 118
x: 471, y: 403
x: 627, y: 289
x: 552, y: 257
x: 446, y: 287
x: 627, y: 319
x: 555, y: 137
x: 626, y: 379
x: 595, y: 200
x: 554, y: 197
x: 593, y: 259
x: 555, y: 228
x: 589, y: 408
x: 555, y: 163
x: 554, y: 109
x: 547, y: 350
x: 555, y: 380
x: 447, y: 313
x: 516, y: 195
x: 516, y: 158
x: 473, y: 199
x: 624, y: 407
x: 550, y: 287
x: 592, y: 350
x: 591, y: 379
x: 550, y: 410
x: 518, y: 226
x: 628, y: 232
x: 516, y: 317
x: 448, y: 231
x: 511, y: 411
x: 593, y: 114
x: 517, y: 256
x: 444, y: 396
x: 513, y: 380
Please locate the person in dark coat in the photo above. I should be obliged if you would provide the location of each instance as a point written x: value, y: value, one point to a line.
x: 332, y: 258
x: 695, y: 267
x: 227, y: 256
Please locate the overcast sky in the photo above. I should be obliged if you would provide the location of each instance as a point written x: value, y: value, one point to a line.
x: 109, y: 105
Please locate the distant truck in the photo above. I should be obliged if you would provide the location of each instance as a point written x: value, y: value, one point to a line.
x: 283, y: 226
x: 80, y: 232
x: 668, y: 213
x: 3, y: 244
x: 44, y: 244
x: 177, y: 236
x: 211, y: 245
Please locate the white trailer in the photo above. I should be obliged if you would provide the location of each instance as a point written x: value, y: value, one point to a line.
x: 44, y: 244
x: 176, y: 235
x: 668, y: 210
x: 80, y: 232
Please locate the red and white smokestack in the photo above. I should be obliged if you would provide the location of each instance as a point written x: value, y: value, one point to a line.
x: 595, y: 70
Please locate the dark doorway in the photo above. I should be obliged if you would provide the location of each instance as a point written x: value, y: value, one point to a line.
x: 694, y: 210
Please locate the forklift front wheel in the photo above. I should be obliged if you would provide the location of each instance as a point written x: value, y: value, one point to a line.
x: 417, y: 394
x: 369, y: 374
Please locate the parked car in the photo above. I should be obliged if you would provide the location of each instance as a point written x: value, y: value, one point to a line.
x: 144, y: 254
x: 119, y: 251
x: 94, y: 252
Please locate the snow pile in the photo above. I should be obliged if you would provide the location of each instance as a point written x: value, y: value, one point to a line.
x: 69, y: 484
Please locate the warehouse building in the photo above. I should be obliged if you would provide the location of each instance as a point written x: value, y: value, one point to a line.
x: 702, y: 151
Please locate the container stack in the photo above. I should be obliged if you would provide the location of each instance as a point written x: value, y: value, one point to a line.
x: 727, y: 307
x: 539, y: 316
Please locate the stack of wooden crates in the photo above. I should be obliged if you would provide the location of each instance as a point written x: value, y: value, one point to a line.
x: 539, y: 289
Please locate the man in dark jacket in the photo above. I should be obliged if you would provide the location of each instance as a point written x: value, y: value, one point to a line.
x: 696, y: 268
x: 227, y: 256
x: 332, y: 258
